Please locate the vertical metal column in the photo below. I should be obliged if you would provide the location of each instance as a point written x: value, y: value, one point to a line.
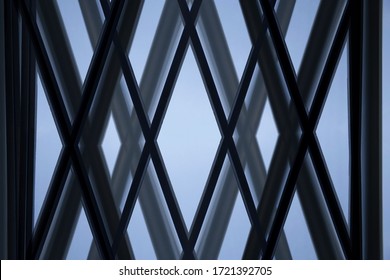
x: 27, y: 140
x: 18, y: 129
x: 372, y: 130
x: 3, y: 151
x: 12, y: 93
x: 355, y: 108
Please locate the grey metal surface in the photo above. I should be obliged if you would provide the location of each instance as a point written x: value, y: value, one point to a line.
x: 268, y: 83
x: 52, y: 25
x: 317, y: 217
x: 162, y: 235
x: 3, y: 151
x: 210, y: 28
x: 372, y: 131
x: 70, y: 82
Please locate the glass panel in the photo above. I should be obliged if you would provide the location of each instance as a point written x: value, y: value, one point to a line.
x: 219, y: 42
x: 237, y: 37
x: 333, y: 132
x: 267, y: 134
x: 111, y: 144
x: 297, y: 233
x: 62, y: 227
x: 132, y: 140
x: 246, y: 135
x: 112, y: 139
x: 159, y: 231
x: 189, y: 137
x: 139, y: 236
x: 81, y: 240
x: 48, y: 148
x: 144, y: 34
x: 218, y: 215
x: 239, y: 225
x: 77, y: 34
x: 152, y: 64
x: 299, y: 29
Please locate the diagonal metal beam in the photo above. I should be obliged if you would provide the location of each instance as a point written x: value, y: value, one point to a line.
x: 150, y: 204
x: 151, y: 148
x: 71, y: 138
x: 211, y: 29
x: 18, y: 106
x: 308, y: 125
x: 319, y: 224
x: 71, y: 83
x: 149, y: 194
x: 226, y: 128
x: 55, y: 248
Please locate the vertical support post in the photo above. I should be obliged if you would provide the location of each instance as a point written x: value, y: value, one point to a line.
x: 372, y: 130
x: 355, y: 109
x: 27, y: 141
x: 3, y: 153
x: 11, y: 88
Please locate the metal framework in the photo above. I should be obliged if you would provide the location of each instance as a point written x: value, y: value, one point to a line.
x: 33, y: 40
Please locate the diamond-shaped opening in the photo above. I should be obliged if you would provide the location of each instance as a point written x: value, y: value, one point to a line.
x: 112, y: 136
x: 217, y: 218
x: 111, y: 144
x: 144, y: 34
x: 235, y: 30
x: 267, y: 134
x: 82, y: 239
x: 302, y: 244
x: 67, y: 47
x: 299, y: 28
x: 255, y: 178
x: 225, y: 41
x: 153, y: 48
x: 236, y: 234
x: 151, y: 229
x: 296, y: 228
x: 297, y: 233
x: 108, y: 206
x: 256, y: 94
x: 131, y: 141
x: 64, y: 222
x: 246, y: 131
x: 333, y: 132
x: 77, y: 34
x: 48, y: 148
x: 139, y: 236
x: 189, y: 137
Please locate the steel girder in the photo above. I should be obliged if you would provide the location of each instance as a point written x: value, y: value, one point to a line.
x: 70, y: 80
x: 317, y: 217
x: 101, y: 195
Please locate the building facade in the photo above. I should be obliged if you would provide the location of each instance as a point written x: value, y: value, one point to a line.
x: 40, y: 62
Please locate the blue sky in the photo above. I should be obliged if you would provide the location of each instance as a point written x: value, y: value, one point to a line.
x: 190, y: 105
